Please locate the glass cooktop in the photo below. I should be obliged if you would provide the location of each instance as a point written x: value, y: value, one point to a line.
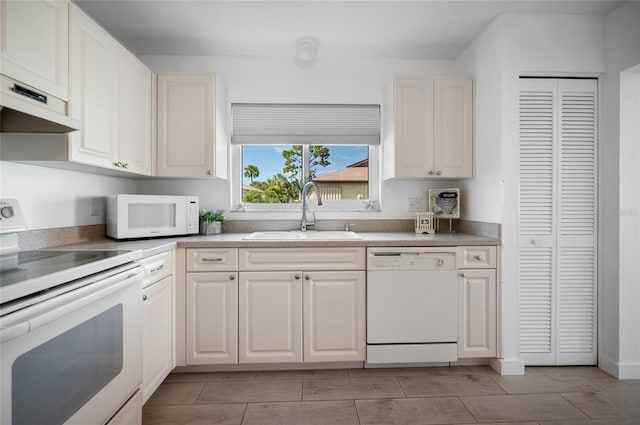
x: 26, y: 265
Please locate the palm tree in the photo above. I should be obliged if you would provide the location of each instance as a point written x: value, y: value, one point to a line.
x: 251, y: 172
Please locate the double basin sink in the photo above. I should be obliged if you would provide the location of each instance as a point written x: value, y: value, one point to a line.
x: 298, y: 235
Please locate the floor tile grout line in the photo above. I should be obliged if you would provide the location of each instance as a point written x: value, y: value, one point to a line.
x: 467, y: 409
x: 572, y: 404
x: 355, y: 406
x: 244, y: 412
x: 401, y: 387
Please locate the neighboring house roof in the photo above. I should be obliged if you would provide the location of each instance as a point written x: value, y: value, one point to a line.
x: 356, y: 172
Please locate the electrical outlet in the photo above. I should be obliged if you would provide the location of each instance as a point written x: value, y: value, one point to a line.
x: 415, y: 204
x: 96, y: 207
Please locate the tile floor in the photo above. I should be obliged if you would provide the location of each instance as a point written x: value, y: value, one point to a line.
x: 410, y: 396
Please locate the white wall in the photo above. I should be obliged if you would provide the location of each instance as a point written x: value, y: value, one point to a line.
x: 620, y: 155
x: 515, y: 45
x: 58, y: 198
x: 280, y: 80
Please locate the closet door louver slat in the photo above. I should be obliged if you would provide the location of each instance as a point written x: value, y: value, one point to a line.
x: 536, y: 162
x: 577, y: 223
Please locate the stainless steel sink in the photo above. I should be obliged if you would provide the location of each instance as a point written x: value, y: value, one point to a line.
x: 296, y: 235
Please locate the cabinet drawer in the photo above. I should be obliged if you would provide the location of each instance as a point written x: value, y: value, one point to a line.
x: 301, y: 259
x: 476, y: 257
x: 212, y: 259
x: 156, y: 267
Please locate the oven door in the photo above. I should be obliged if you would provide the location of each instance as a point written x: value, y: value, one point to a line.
x: 75, y: 358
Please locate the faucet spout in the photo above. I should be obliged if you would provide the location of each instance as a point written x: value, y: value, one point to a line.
x: 305, y: 222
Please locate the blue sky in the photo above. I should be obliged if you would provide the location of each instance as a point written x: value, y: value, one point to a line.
x: 269, y: 160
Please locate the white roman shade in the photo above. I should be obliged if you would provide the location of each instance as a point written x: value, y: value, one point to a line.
x: 327, y: 124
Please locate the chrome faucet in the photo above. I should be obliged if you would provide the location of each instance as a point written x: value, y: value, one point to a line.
x: 304, y: 223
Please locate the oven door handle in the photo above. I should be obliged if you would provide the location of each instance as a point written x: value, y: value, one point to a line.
x: 109, y: 285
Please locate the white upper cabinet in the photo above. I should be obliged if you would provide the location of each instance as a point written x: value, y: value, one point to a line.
x: 135, y: 115
x: 34, y: 43
x: 428, y: 128
x: 192, y: 139
x: 94, y: 92
x: 111, y: 96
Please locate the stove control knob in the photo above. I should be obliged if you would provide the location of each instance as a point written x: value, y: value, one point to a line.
x: 7, y: 212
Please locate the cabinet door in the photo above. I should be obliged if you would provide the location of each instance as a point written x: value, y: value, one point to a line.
x: 270, y: 317
x: 93, y: 92
x: 453, y: 128
x: 186, y: 125
x: 35, y: 44
x: 157, y: 340
x: 477, y: 313
x: 413, y: 122
x: 134, y: 147
x: 212, y: 318
x: 334, y: 316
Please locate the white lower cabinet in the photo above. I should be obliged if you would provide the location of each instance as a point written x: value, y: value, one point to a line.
x: 334, y: 316
x: 212, y: 318
x: 270, y: 317
x: 477, y: 305
x: 211, y: 301
x: 295, y: 311
x: 156, y: 337
x: 157, y: 321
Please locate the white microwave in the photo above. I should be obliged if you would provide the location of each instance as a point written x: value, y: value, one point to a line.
x: 148, y: 216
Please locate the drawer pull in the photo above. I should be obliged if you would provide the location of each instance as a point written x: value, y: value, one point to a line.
x: 157, y: 269
x: 478, y: 257
x: 212, y: 260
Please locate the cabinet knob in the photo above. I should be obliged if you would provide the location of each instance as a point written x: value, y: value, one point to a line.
x: 144, y: 298
x: 535, y: 242
x: 430, y: 172
x: 125, y: 165
x: 477, y: 257
x: 307, y: 277
x: 463, y: 275
x: 438, y: 173
x: 297, y: 276
x: 232, y: 277
x: 209, y: 172
x: 440, y: 262
x: 117, y: 164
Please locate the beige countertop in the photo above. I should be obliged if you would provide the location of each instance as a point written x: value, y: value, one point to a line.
x: 235, y: 240
x: 377, y: 239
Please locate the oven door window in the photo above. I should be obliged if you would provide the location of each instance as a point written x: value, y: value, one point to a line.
x: 53, y: 380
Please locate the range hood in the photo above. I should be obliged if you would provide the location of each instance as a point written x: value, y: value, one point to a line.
x: 24, y: 109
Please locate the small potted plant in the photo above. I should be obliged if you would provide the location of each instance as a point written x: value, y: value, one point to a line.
x: 211, y: 221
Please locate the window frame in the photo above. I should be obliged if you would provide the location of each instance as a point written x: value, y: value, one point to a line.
x: 350, y: 205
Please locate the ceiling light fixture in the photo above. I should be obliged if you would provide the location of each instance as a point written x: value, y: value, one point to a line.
x: 306, y: 51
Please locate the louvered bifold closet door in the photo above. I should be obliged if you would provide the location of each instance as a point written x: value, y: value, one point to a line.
x: 537, y: 164
x: 557, y: 221
x: 577, y: 223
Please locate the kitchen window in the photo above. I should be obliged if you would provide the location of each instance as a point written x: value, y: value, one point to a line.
x: 277, y: 148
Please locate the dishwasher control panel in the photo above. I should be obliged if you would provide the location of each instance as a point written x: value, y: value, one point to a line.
x: 411, y: 258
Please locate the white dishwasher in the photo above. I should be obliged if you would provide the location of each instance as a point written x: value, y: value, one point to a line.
x: 411, y: 305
